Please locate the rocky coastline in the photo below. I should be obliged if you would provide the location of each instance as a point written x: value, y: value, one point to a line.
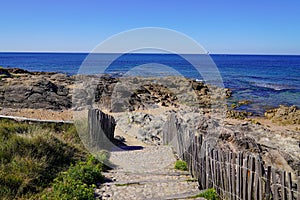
x: 141, y: 107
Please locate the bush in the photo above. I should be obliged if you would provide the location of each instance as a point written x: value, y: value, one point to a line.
x: 209, y: 194
x: 88, y: 172
x: 69, y: 188
x: 181, y: 165
x: 78, y: 182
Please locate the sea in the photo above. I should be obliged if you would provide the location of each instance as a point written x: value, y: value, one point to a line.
x: 267, y: 81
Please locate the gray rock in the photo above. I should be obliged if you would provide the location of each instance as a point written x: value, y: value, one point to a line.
x: 38, y: 94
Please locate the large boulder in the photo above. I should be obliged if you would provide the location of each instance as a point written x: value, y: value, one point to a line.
x: 35, y: 94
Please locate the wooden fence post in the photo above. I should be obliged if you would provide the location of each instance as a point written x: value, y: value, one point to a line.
x: 283, y: 189
x: 268, y: 183
x: 233, y: 175
x: 289, y: 185
x: 298, y: 188
x: 274, y: 185
x: 206, y: 166
x: 245, y: 178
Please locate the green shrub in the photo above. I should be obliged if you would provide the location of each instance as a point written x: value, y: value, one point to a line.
x: 88, y: 172
x: 69, y: 188
x: 209, y: 194
x: 78, y: 182
x: 181, y: 165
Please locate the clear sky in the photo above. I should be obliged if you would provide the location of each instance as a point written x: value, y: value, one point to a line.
x: 220, y: 26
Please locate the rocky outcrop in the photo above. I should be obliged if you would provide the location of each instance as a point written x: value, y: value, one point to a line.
x: 235, y: 114
x: 143, y: 126
x: 136, y: 93
x: 27, y: 90
x: 23, y: 89
x: 38, y: 94
x: 284, y: 115
x: 4, y: 73
x: 148, y: 96
x: 18, y: 71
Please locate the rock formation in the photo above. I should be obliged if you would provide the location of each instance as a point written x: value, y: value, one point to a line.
x: 284, y: 115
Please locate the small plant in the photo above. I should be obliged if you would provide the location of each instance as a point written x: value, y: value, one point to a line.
x: 209, y: 194
x: 88, y: 172
x: 78, y: 182
x: 69, y: 188
x: 234, y: 105
x: 181, y: 165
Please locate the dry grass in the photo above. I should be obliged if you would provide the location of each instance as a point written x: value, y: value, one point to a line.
x: 31, y: 156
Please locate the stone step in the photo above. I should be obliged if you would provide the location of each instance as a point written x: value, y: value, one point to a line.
x: 185, y: 195
x: 143, y: 182
x: 177, y: 173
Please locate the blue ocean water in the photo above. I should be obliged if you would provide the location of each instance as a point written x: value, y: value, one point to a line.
x: 266, y: 80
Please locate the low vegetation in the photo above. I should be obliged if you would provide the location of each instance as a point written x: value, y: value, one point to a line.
x: 45, y: 161
x: 78, y: 182
x: 181, y: 165
x: 209, y: 194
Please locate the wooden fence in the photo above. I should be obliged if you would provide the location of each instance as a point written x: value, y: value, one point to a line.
x: 101, y: 128
x: 234, y: 176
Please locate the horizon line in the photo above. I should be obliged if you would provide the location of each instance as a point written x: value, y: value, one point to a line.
x: 213, y: 53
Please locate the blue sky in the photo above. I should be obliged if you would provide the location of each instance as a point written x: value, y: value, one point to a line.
x: 256, y: 26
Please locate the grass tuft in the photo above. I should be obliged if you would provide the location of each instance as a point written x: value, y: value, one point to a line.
x: 31, y: 156
x: 209, y: 194
x: 181, y: 165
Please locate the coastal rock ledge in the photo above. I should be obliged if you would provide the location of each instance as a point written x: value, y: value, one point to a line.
x: 284, y: 115
x: 22, y: 89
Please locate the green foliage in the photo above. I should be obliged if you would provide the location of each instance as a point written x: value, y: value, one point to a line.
x: 69, y: 134
x: 30, y: 158
x: 88, y: 172
x: 234, y: 105
x: 181, y: 165
x: 70, y: 188
x: 209, y: 194
x: 78, y: 182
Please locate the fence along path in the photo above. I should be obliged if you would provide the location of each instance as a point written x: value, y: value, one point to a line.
x: 101, y: 128
x: 234, y: 176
